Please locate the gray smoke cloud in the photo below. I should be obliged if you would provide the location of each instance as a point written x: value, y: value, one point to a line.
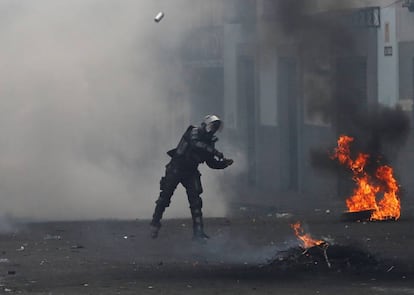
x: 88, y: 102
x: 327, y: 44
x: 238, y: 251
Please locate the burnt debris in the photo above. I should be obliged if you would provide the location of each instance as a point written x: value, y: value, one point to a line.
x: 336, y: 258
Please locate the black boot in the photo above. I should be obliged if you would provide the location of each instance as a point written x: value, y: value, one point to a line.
x: 198, y: 228
x: 154, y: 229
x: 155, y: 223
x: 199, y: 233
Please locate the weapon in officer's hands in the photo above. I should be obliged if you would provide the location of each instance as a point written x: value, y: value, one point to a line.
x: 219, y: 155
x: 228, y: 162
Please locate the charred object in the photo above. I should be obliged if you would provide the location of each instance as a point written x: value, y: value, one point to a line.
x: 324, y: 257
x: 359, y: 216
x: 364, y: 216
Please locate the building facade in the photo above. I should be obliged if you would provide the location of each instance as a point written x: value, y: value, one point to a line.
x: 282, y: 76
x: 277, y: 83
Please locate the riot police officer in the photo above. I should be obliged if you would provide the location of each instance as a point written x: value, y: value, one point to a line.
x: 196, y: 146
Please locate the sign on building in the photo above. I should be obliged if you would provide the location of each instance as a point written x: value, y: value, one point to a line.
x: 388, y: 50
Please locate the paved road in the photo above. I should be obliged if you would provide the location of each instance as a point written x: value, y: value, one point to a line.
x: 118, y: 257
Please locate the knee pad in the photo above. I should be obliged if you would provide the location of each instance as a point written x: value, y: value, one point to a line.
x: 196, y: 212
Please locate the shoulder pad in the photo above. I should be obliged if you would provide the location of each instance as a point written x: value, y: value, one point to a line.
x: 194, y: 131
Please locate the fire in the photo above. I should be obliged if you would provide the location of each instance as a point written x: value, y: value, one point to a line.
x: 306, y: 239
x: 369, y: 187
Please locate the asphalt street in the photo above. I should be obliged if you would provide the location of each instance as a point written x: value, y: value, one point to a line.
x: 242, y: 257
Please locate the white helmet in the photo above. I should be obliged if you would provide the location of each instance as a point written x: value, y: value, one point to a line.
x: 212, y: 124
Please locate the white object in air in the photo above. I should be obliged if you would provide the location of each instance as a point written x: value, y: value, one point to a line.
x: 159, y: 17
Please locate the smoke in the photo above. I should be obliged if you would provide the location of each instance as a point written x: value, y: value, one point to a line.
x: 91, y: 98
x: 335, y: 93
x: 238, y: 250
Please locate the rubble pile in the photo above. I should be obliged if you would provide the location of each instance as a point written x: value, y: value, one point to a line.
x: 324, y: 258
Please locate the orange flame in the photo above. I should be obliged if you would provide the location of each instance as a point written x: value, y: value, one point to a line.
x: 306, y: 239
x: 368, y: 187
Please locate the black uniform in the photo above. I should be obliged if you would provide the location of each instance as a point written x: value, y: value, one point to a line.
x: 195, y: 147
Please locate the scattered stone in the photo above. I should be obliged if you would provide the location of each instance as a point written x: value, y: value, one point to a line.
x: 340, y: 258
x: 283, y: 215
x: 43, y: 262
x: 77, y: 247
x: 52, y: 237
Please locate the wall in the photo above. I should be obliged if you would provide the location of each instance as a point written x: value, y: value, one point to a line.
x: 405, y: 25
x: 232, y: 37
x: 317, y: 6
x: 405, y: 162
x: 267, y: 130
x: 388, y: 88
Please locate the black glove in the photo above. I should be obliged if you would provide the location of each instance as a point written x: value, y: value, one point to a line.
x: 218, y: 154
x: 228, y: 162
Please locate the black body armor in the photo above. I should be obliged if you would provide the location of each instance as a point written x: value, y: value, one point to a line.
x: 196, y: 146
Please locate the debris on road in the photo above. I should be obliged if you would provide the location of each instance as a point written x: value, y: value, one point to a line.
x: 341, y: 258
x: 43, y: 262
x: 77, y: 247
x: 283, y: 215
x: 52, y: 237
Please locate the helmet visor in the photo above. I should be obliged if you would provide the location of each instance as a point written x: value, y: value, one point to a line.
x: 214, y: 126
